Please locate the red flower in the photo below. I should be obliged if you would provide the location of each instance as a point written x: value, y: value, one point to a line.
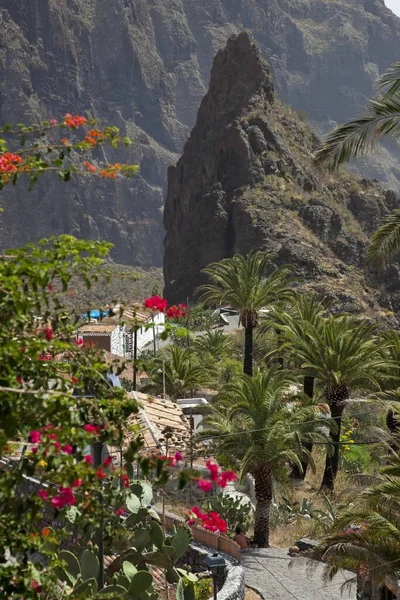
x: 119, y: 511
x: 68, y: 449
x: 155, y: 303
x: 92, y: 428
x: 66, y: 496
x: 125, y: 480
x: 100, y: 473
x: 90, y: 167
x: 204, y: 485
x: 79, y: 341
x: 172, y: 462
x: 35, y: 586
x: 74, y: 380
x: 108, y: 461
x: 48, y: 333
x: 88, y: 459
x: 77, y: 483
x: 178, y: 457
x: 50, y: 287
x: 19, y: 379
x: 53, y: 122
x: 74, y: 122
x: 191, y: 522
x: 34, y: 437
x: 213, y: 468
x: 43, y: 494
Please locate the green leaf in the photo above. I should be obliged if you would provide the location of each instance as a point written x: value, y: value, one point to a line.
x: 180, y: 590
x: 73, y: 567
x: 133, y: 503
x: 113, y: 589
x: 180, y: 541
x: 159, y: 559
x: 89, y: 565
x: 86, y: 587
x: 140, y: 539
x: 72, y: 513
x: 187, y: 575
x: 129, y: 569
x: 172, y: 575
x: 156, y: 534
x: 140, y: 582
x: 189, y: 591
x: 154, y: 514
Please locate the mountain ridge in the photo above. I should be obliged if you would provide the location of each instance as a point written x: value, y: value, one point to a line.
x: 248, y: 182
x: 144, y: 66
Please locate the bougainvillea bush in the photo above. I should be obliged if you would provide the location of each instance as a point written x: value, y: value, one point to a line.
x: 56, y: 403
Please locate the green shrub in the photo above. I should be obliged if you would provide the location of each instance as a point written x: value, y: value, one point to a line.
x: 203, y: 589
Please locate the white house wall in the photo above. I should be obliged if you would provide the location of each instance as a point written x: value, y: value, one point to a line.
x: 117, y: 341
x: 146, y: 337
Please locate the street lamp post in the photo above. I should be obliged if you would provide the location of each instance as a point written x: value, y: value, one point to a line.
x: 215, y: 564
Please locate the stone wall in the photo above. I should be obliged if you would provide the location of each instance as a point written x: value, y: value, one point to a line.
x: 230, y: 581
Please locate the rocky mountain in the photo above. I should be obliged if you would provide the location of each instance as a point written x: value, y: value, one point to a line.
x: 144, y: 66
x: 246, y: 180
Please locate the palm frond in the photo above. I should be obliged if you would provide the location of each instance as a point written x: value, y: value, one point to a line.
x: 359, y: 136
x: 385, y: 241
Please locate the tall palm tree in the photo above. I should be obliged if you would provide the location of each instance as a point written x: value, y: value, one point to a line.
x: 302, y: 309
x: 357, y: 138
x: 366, y: 539
x: 178, y: 373
x: 241, y: 283
x: 343, y: 355
x: 259, y: 427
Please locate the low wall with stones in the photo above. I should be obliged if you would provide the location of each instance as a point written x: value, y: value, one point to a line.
x: 230, y: 580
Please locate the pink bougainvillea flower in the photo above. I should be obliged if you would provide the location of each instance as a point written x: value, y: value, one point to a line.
x: 119, y: 511
x: 68, y: 449
x: 48, y: 332
x: 108, y: 461
x: 53, y: 122
x: 178, y: 457
x: 19, y: 379
x: 213, y: 468
x: 92, y: 428
x: 155, y: 303
x: 35, y: 586
x: 100, y: 474
x: 58, y: 502
x: 79, y: 341
x: 34, y: 437
x: 77, y: 483
x: 88, y: 459
x: 43, y: 494
x: 204, y: 485
x: 191, y: 522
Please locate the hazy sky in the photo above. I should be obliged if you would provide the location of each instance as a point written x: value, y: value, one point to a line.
x: 394, y: 5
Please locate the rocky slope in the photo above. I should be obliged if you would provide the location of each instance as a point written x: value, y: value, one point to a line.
x: 144, y: 65
x: 246, y: 181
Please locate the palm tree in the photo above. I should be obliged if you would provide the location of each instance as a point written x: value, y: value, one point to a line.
x: 343, y: 355
x: 241, y: 283
x: 366, y: 539
x: 178, y: 373
x: 259, y: 427
x: 214, y: 344
x: 302, y: 309
x: 359, y: 136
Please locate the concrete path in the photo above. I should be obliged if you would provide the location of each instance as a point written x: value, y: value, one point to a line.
x: 268, y: 572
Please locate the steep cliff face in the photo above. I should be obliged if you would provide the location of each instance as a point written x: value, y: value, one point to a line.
x: 144, y: 65
x: 246, y: 181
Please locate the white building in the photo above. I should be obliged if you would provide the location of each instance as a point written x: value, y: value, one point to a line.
x: 110, y: 335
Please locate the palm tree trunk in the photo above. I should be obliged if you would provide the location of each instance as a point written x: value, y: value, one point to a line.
x: 393, y: 425
x: 248, y: 350
x: 308, y: 388
x: 263, y: 490
x: 336, y: 400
